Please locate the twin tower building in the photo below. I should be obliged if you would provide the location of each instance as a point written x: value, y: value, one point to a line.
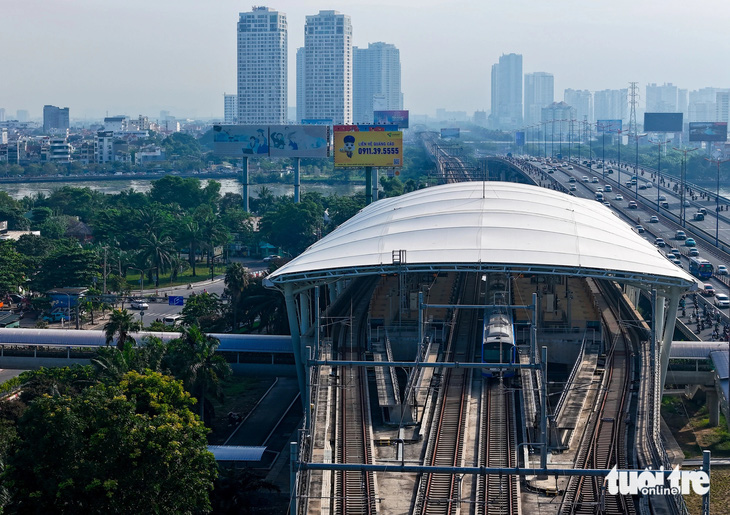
x: 334, y: 80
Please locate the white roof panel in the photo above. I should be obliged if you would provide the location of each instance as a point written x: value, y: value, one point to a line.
x: 489, y: 223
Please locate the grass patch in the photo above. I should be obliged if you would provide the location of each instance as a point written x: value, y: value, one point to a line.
x: 240, y: 396
x: 719, y: 493
x: 689, y: 421
x: 202, y: 271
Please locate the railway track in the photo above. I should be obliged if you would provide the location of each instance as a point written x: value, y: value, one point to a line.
x: 497, y: 494
x: 603, y: 444
x: 356, y: 490
x: 439, y: 493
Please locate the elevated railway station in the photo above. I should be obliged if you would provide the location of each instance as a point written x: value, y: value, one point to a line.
x: 434, y: 332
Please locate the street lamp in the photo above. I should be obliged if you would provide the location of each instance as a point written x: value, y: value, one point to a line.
x: 717, y: 199
x: 141, y: 276
x: 636, y: 166
x: 659, y: 171
x: 685, y: 151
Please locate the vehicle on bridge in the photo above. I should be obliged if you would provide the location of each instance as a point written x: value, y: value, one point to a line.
x: 699, y: 217
x: 722, y: 300
x: 700, y: 267
x: 498, y: 340
x: 690, y: 242
x: 721, y: 270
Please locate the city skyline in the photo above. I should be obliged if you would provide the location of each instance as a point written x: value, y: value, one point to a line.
x: 180, y: 57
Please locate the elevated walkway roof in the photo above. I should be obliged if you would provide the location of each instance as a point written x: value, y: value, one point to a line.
x: 485, y: 226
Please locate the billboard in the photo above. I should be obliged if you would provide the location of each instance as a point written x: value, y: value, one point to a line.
x: 450, y: 133
x: 365, y: 128
x: 368, y: 148
x: 608, y: 125
x: 520, y: 138
x: 708, y: 131
x: 299, y: 140
x: 399, y: 118
x: 271, y: 140
x: 663, y: 122
x: 317, y: 121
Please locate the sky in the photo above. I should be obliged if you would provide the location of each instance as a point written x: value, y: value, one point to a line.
x: 134, y: 57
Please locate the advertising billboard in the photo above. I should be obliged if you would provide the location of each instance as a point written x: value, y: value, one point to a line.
x: 608, y: 125
x: 450, y: 133
x: 663, y: 122
x: 399, y: 118
x: 271, y: 141
x: 708, y: 131
x: 520, y: 138
x: 241, y: 140
x: 298, y: 140
x: 317, y: 121
x: 368, y: 148
x: 365, y: 128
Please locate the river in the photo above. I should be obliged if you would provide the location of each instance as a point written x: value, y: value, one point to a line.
x: 20, y: 190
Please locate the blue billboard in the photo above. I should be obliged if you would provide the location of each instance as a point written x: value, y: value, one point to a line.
x: 520, y: 138
x: 399, y: 118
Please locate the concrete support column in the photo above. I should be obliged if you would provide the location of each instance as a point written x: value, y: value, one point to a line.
x: 332, y: 292
x: 713, y: 406
x: 671, y: 320
x: 304, y: 309
x: 291, y: 311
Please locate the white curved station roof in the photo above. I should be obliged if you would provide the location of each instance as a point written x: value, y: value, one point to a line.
x: 485, y: 226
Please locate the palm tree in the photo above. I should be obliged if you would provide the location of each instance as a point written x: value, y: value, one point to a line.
x: 113, y: 364
x: 237, y: 280
x: 120, y: 324
x: 158, y: 253
x: 197, y: 364
x: 191, y: 235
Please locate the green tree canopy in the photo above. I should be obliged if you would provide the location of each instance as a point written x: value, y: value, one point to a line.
x: 135, y: 447
x: 13, y: 269
x: 67, y: 265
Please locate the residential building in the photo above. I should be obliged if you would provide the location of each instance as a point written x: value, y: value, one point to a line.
x: 55, y: 119
x: 376, y: 76
x: 722, y: 107
x: 480, y: 118
x: 582, y: 100
x: 611, y: 104
x: 262, y: 67
x: 59, y: 151
x: 104, y: 147
x: 116, y: 123
x: 507, y: 92
x: 230, y: 109
x: 557, y: 117
x: 328, y: 67
x: 301, y: 84
x: 539, y: 93
x: 661, y: 99
x: 23, y: 115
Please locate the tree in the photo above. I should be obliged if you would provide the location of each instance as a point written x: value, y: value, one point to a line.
x: 193, y: 359
x: 192, y: 236
x: 120, y: 324
x: 293, y: 226
x: 158, y: 253
x: 67, y: 265
x: 12, y: 265
x: 134, y: 447
x: 204, y: 310
x: 265, y: 305
x: 237, y: 280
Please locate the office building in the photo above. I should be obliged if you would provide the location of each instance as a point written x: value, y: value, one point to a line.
x: 558, y: 117
x: 262, y: 67
x: 611, y: 104
x: 376, y: 81
x: 55, y: 119
x: 507, y: 92
x: 539, y: 92
x: 230, y: 109
x: 582, y: 100
x: 328, y: 67
x: 23, y: 115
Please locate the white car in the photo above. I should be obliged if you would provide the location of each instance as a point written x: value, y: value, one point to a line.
x: 721, y: 270
x: 619, y: 197
x: 722, y: 300
x: 139, y: 304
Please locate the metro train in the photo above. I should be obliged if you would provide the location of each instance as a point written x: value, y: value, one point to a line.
x: 498, y: 333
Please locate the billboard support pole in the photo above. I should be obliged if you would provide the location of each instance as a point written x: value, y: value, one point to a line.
x: 374, y: 181
x: 297, y: 180
x: 368, y: 185
x: 244, y: 178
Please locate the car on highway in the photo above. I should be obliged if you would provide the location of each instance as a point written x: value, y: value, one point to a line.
x: 271, y: 258
x: 659, y: 242
x: 662, y: 198
x: 677, y: 262
x: 139, y: 304
x: 702, y: 210
x: 570, y: 167
x: 721, y: 270
x: 642, y: 186
x: 654, y: 219
x: 585, y: 178
x: 607, y: 187
x: 690, y: 242
x: 680, y: 235
x: 609, y: 171
x: 618, y: 197
x: 640, y: 229
x: 665, y: 204
x: 699, y: 217
x: 572, y: 187
x: 693, y: 252
x: 707, y: 290
x: 572, y: 179
x: 686, y: 203
x: 722, y: 300
x: 632, y: 204
x: 648, y: 185
x: 607, y: 204
x: 676, y: 253
x: 594, y: 180
x: 599, y: 190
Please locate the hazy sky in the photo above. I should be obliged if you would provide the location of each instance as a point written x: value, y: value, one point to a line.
x: 142, y: 56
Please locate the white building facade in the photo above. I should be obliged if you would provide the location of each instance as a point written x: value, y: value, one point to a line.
x: 376, y: 81
x: 262, y: 67
x: 230, y: 109
x: 328, y: 67
x: 507, y: 92
x: 539, y: 93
